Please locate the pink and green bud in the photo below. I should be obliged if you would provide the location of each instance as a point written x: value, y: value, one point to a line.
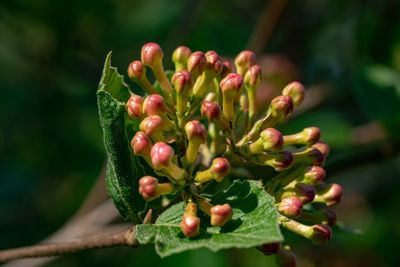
x: 134, y: 106
x: 161, y: 159
x: 218, y: 170
x: 304, y: 192
x: 270, y: 248
x: 152, y: 56
x: 190, y: 224
x: 211, y: 110
x: 197, y: 135
x: 296, y: 91
x: 141, y: 144
x: 155, y: 105
x: 310, y: 156
x: 153, y: 126
x: 226, y: 69
x: 196, y: 64
x: 290, y: 207
x: 308, y: 136
x: 270, y: 140
x: 252, y: 80
x: 150, y: 189
x: 277, y: 160
x: 244, y: 61
x: 182, y: 82
x: 322, y: 147
x: 230, y: 86
x: 137, y: 73
x: 324, y: 216
x: 313, y: 175
x: 286, y: 258
x: 220, y: 214
x: 212, y: 68
x: 330, y: 194
x: 281, y: 107
x: 180, y: 57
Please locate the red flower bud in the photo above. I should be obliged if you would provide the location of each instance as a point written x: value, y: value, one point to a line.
x: 322, y: 147
x: 314, y: 175
x: 253, y: 76
x: 141, y: 144
x: 134, y: 106
x: 182, y: 81
x: 311, y: 135
x: 272, y: 139
x: 180, y: 57
x: 152, y: 54
x: 329, y: 194
x: 226, y: 68
x: 310, y: 155
x: 152, y: 126
x: 321, y: 233
x: 211, y: 110
x: 220, y: 214
x: 280, y: 160
x: 290, y: 207
x: 296, y: 91
x: 154, y: 105
x: 190, y: 225
x: 148, y: 187
x: 230, y: 86
x: 220, y: 168
x: 214, y: 62
x: 282, y: 106
x: 244, y: 61
x: 196, y: 132
x: 196, y: 64
x: 161, y: 155
x: 136, y: 70
x: 270, y: 248
x: 305, y: 192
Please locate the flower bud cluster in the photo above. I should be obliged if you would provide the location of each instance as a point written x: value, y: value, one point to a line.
x: 201, y: 121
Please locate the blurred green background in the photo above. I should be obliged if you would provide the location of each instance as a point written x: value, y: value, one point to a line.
x: 346, y: 52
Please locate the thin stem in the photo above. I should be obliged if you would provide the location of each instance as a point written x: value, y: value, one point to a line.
x: 124, y: 238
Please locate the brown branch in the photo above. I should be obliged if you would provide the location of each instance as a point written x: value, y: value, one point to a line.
x: 124, y: 238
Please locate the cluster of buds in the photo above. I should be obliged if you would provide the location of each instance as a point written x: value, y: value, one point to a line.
x: 201, y: 120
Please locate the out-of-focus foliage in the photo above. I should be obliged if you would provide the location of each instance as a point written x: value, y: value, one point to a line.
x: 51, y: 149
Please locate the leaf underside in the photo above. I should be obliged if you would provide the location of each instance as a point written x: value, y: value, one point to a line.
x: 254, y: 223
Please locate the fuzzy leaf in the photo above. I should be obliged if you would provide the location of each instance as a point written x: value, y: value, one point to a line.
x: 123, y: 169
x: 254, y: 223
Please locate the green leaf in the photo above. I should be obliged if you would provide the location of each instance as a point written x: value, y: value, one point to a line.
x: 123, y: 169
x: 254, y: 223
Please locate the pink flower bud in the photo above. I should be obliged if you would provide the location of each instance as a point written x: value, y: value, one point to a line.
x: 310, y: 155
x: 305, y: 192
x: 244, y: 61
x: 282, y: 160
x: 134, y: 106
x: 190, y: 225
x: 282, y: 106
x: 314, y: 175
x: 296, y: 91
x: 211, y: 110
x: 152, y: 125
x: 136, y: 70
x: 196, y: 64
x: 220, y: 214
x: 161, y: 155
x: 311, y: 135
x: 272, y: 139
x: 290, y: 207
x: 154, y: 105
x: 220, y: 168
x: 253, y: 76
x: 182, y: 81
x: 152, y: 54
x: 270, y: 248
x: 321, y: 233
x: 329, y: 194
x: 322, y: 147
x: 214, y: 62
x: 231, y: 84
x: 180, y: 57
x: 196, y: 132
x: 141, y: 144
x: 148, y: 187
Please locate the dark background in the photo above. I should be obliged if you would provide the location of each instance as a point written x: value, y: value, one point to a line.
x: 346, y: 52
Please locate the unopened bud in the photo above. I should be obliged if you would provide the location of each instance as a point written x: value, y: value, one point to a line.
x: 278, y: 160
x: 322, y: 147
x: 226, y: 69
x: 197, y: 135
x: 150, y: 189
x: 330, y: 194
x: 270, y: 248
x: 290, y: 207
x: 296, y: 91
x: 180, y: 57
x: 270, y: 140
x: 214, y: 62
x: 161, y: 158
x: 190, y: 225
x: 153, y: 127
x: 182, y: 82
x: 218, y: 170
x: 154, y: 105
x: 141, y: 144
x: 212, y: 68
x: 196, y: 64
x: 220, y: 214
x: 304, y: 192
x: 286, y: 258
x: 252, y: 79
x: 281, y: 107
x: 321, y: 233
x: 211, y: 110
x: 313, y: 175
x: 137, y: 73
x: 308, y: 136
x: 230, y: 86
x: 309, y: 155
x: 244, y: 61
x: 134, y: 106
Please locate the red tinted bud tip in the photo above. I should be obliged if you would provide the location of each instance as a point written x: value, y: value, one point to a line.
x: 296, y: 91
x: 136, y: 70
x: 311, y: 135
x: 305, y: 192
x: 220, y: 168
x: 214, y: 61
x: 161, y: 155
x: 152, y: 125
x: 330, y: 195
x: 231, y: 83
x: 211, y: 110
x: 220, y: 214
x: 141, y: 144
x: 196, y: 132
x: 290, y: 207
x: 182, y: 81
x: 321, y: 234
x: 134, y: 106
x: 282, y: 106
x: 148, y: 187
x: 180, y: 57
x: 286, y: 258
x: 322, y: 147
x: 196, y: 63
x: 253, y: 76
x: 283, y: 160
x: 270, y: 248
x: 154, y: 105
x: 272, y: 139
x: 244, y: 61
x: 152, y: 54
x: 190, y: 225
x: 314, y: 175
